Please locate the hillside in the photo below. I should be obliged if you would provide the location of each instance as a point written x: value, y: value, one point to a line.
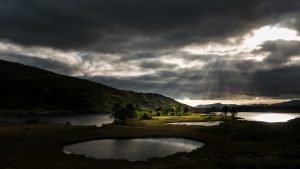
x: 27, y: 89
x: 292, y: 103
x: 292, y: 106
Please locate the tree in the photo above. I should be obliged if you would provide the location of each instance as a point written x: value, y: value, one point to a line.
x: 171, y: 109
x: 179, y: 110
x: 225, y: 111
x: 186, y: 110
x: 233, y: 112
x: 116, y: 107
x: 130, y: 107
x: 159, y: 111
x: 120, y: 114
x: 145, y: 116
x: 131, y: 111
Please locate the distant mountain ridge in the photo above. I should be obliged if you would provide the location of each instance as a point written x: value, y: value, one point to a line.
x: 292, y: 103
x: 288, y: 106
x: 29, y: 89
x: 216, y: 105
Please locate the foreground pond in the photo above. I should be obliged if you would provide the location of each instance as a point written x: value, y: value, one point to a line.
x: 209, y: 123
x: 139, y: 149
x: 268, y: 117
x: 73, y: 119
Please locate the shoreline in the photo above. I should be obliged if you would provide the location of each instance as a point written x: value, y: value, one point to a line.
x: 233, y: 144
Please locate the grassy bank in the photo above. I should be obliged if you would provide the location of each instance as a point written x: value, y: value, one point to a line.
x: 233, y: 144
x: 163, y: 120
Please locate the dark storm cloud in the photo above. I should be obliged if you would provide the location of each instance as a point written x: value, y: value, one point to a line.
x: 280, y: 83
x: 291, y: 20
x: 186, y: 83
x: 275, y: 83
x: 113, y: 25
x: 138, y: 45
x: 157, y: 65
x: 139, y: 56
x: 52, y: 65
x: 280, y: 52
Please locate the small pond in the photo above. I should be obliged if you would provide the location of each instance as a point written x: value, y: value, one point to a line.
x: 208, y: 123
x: 139, y: 149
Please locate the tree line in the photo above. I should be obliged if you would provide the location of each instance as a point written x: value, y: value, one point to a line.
x: 121, y: 112
x: 227, y: 110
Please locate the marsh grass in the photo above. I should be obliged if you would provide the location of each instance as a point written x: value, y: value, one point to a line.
x: 164, y: 120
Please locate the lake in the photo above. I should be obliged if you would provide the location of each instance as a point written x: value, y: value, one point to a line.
x: 209, y: 123
x: 100, y: 119
x: 268, y: 117
x: 139, y: 149
x: 73, y: 119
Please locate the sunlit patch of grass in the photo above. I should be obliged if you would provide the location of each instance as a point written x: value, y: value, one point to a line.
x: 161, y: 120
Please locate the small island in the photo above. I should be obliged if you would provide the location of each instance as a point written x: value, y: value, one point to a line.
x: 137, y: 115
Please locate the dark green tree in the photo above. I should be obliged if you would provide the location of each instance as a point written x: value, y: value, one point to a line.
x: 186, y: 110
x: 171, y: 109
x: 117, y: 107
x: 146, y: 116
x: 225, y: 110
x: 130, y: 107
x: 159, y: 110
x: 131, y: 110
x: 120, y: 114
x: 179, y: 110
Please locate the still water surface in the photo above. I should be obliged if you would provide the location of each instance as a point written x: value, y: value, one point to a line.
x: 100, y: 119
x: 209, y: 123
x: 73, y: 119
x: 139, y: 149
x: 268, y: 117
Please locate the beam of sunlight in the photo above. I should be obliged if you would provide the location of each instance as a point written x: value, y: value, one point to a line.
x: 209, y: 81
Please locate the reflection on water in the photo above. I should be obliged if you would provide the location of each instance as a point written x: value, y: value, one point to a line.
x: 73, y: 119
x: 132, y: 149
x: 268, y: 117
x: 209, y: 123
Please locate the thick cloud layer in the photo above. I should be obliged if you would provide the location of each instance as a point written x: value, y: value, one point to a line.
x: 281, y: 51
x: 197, y: 49
x: 107, y: 24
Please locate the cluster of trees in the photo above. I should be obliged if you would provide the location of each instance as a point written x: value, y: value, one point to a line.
x: 172, y: 110
x: 232, y: 111
x: 120, y: 112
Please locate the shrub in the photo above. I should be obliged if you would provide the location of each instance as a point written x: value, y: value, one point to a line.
x: 145, y: 116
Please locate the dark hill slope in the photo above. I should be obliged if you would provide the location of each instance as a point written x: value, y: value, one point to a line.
x: 36, y: 90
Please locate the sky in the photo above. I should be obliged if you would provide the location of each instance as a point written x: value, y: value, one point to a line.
x: 195, y: 51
